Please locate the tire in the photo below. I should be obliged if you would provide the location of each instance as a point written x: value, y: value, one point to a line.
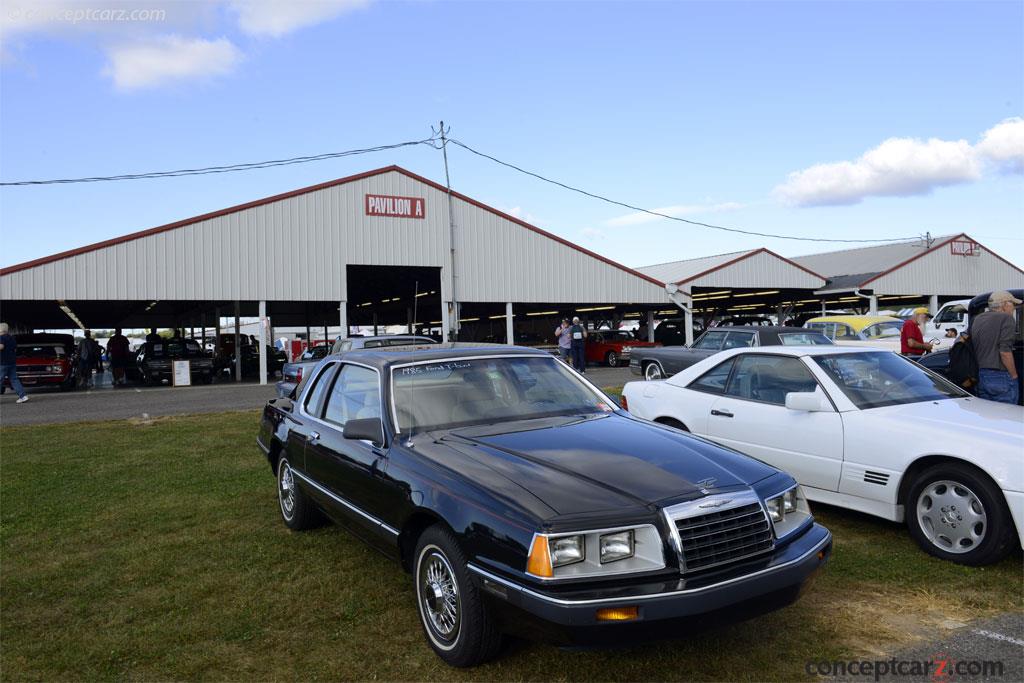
x: 956, y: 513
x: 672, y: 422
x: 653, y: 371
x: 442, y: 580
x: 611, y: 359
x: 297, y: 510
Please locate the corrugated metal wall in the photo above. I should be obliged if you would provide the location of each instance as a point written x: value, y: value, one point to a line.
x: 296, y: 249
x: 943, y: 273
x: 762, y: 271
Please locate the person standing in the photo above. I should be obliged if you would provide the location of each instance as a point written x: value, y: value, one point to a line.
x: 578, y: 345
x: 9, y: 362
x: 992, y: 335
x: 88, y: 356
x: 153, y: 336
x: 564, y: 342
x: 118, y: 350
x: 912, y: 343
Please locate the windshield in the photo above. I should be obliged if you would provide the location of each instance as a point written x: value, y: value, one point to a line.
x: 804, y: 339
x: 873, y: 379
x: 40, y: 351
x: 456, y: 393
x: 175, y: 348
x: 893, y: 328
x: 618, y: 335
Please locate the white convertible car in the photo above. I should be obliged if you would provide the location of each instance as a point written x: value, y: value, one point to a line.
x: 863, y: 429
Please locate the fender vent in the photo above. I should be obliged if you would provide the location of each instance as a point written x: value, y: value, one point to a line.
x: 879, y: 478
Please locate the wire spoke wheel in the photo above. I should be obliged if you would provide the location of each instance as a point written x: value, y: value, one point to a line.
x: 286, y: 490
x: 952, y: 516
x: 439, y: 596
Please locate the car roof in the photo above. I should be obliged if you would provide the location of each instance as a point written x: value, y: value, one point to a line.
x: 771, y: 329
x: 822, y: 350
x: 857, y: 322
x: 385, y: 357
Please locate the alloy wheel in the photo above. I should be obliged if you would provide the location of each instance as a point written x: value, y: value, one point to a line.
x: 951, y: 516
x: 652, y: 372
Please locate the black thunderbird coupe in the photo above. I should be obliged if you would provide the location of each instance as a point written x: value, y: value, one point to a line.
x: 523, y: 500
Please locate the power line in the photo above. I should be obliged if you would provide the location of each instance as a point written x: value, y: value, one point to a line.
x: 663, y: 215
x: 221, y: 169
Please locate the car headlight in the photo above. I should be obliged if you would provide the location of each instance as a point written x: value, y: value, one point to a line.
x: 788, y: 511
x: 56, y: 368
x: 627, y: 349
x: 594, y: 553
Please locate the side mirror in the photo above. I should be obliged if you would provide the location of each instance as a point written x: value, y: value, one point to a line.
x: 367, y: 429
x: 805, y: 401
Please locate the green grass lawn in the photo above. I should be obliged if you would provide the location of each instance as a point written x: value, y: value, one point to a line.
x: 155, y: 551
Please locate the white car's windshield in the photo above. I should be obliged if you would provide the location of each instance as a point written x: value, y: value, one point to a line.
x: 873, y: 379
x: 453, y: 393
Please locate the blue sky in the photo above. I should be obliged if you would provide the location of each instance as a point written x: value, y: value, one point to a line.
x: 845, y: 120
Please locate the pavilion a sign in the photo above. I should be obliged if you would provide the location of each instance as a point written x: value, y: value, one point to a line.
x: 395, y: 207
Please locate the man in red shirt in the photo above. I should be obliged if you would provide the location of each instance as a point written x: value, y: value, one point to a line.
x: 912, y: 341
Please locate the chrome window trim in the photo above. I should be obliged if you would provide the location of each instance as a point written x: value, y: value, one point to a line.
x: 738, y: 499
x: 561, y: 534
x: 333, y: 496
x: 543, y: 356
x: 654, y: 596
x: 334, y: 425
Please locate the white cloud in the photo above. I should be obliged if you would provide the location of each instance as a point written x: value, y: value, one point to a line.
x: 678, y: 210
x: 903, y: 167
x: 169, y: 59
x: 1003, y: 145
x: 592, y: 233
x: 275, y: 18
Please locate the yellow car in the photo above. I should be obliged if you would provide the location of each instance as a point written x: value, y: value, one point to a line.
x: 876, y: 331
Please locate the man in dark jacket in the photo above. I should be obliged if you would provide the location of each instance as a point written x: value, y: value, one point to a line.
x: 118, y: 350
x: 578, y: 340
x: 992, y: 335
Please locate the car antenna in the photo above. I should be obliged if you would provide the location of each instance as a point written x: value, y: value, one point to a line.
x: 412, y: 389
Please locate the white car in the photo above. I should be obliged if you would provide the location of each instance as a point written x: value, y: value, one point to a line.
x: 952, y: 315
x: 863, y: 429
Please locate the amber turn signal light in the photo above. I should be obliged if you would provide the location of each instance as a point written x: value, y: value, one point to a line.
x: 618, y: 613
x: 539, y: 562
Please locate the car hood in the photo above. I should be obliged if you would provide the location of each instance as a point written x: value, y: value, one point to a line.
x: 607, y: 462
x: 972, y: 419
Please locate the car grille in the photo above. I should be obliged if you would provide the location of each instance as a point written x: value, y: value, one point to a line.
x: 721, y: 537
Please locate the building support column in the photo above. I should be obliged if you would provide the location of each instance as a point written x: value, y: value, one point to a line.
x: 263, y: 342
x: 510, y: 334
x: 650, y: 326
x: 688, y: 317
x: 375, y: 332
x: 933, y: 304
x: 873, y: 304
x: 238, y: 341
x: 343, y: 319
x: 445, y: 321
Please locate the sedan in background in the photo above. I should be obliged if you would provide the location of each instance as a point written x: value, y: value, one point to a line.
x: 613, y: 347
x: 866, y: 430
x: 45, y: 360
x: 154, y: 362
x: 660, y: 363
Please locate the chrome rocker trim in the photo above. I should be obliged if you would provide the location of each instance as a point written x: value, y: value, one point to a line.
x: 685, y: 591
x: 333, y: 496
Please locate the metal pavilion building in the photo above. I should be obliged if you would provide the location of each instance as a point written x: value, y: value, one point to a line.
x: 382, y: 247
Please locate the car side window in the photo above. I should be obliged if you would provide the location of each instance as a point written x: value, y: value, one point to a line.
x: 354, y: 396
x: 713, y: 381
x: 373, y: 344
x: 737, y: 340
x: 710, y: 340
x: 315, y: 397
x: 827, y: 329
x: 845, y: 332
x: 769, y: 378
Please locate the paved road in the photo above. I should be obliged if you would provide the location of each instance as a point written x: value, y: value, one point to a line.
x: 998, y: 640
x: 105, y: 403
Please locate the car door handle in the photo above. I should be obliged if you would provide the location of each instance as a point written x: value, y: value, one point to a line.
x: 721, y: 413
x: 313, y: 437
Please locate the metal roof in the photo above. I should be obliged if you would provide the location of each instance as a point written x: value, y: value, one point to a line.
x: 761, y: 268
x: 851, y: 267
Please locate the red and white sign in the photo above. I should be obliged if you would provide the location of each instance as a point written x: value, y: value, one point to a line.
x: 396, y: 207
x: 963, y: 247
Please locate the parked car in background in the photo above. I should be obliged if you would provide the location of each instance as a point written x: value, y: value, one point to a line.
x: 315, y: 352
x: 672, y: 331
x: 745, y: 320
x: 939, y: 361
x: 45, y: 360
x: 612, y: 347
x: 154, y: 362
x: 292, y: 373
x: 873, y: 331
x: 660, y: 363
x: 862, y: 429
x: 952, y: 314
x: 225, y: 356
x: 521, y: 499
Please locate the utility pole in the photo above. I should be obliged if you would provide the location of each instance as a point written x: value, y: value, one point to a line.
x: 451, y: 231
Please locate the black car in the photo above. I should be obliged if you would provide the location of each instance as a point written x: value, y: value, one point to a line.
x: 939, y: 361
x: 523, y: 500
x: 154, y: 361
x: 657, y: 363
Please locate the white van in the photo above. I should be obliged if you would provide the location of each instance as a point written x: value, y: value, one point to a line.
x: 952, y: 314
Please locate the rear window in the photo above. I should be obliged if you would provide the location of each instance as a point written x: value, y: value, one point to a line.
x: 40, y: 351
x: 804, y: 339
